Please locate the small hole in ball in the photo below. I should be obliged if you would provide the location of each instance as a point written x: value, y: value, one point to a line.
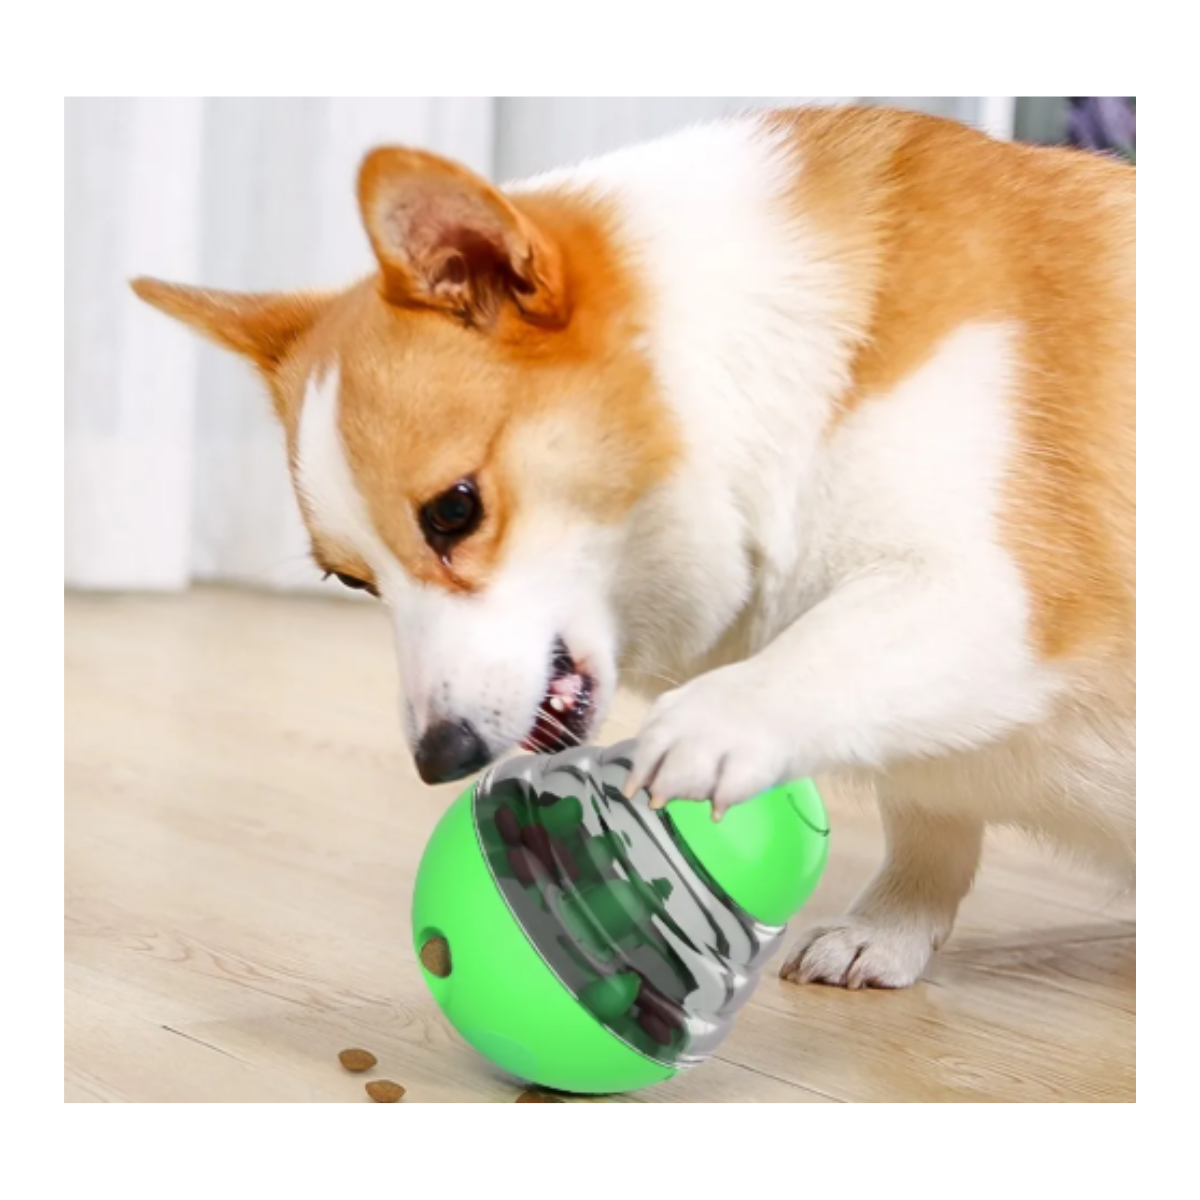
x: 435, y: 956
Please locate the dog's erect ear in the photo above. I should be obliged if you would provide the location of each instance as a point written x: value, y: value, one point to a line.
x: 446, y: 239
x: 261, y: 326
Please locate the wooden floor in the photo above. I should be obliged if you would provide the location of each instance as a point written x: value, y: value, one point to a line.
x: 242, y: 829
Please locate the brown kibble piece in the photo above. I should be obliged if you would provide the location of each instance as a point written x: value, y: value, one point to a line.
x: 537, y: 841
x: 565, y: 860
x: 657, y: 1028
x: 508, y: 825
x: 652, y: 1001
x: 384, y: 1091
x: 357, y: 1060
x: 536, y: 1098
x: 435, y: 956
x: 523, y: 865
x: 550, y: 852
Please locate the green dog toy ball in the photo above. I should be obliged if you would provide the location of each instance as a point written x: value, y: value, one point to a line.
x: 586, y: 942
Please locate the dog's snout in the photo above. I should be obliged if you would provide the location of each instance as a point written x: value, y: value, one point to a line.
x: 450, y: 750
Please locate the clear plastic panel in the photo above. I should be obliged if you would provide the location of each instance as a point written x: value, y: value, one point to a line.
x: 610, y: 898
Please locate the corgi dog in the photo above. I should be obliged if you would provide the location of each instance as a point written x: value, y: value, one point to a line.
x: 817, y: 426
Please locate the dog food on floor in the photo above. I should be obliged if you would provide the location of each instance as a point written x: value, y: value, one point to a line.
x: 387, y: 1091
x: 357, y: 1060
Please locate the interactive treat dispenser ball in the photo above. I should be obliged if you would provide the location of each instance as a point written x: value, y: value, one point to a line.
x: 586, y: 942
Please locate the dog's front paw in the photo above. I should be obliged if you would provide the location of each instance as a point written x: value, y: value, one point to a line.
x: 858, y: 952
x: 717, y: 738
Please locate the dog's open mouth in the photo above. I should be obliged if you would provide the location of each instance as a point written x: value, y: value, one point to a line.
x: 565, y: 713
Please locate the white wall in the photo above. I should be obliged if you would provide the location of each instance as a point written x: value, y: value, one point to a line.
x: 533, y: 135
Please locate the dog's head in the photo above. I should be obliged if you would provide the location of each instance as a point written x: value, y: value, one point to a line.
x: 468, y: 431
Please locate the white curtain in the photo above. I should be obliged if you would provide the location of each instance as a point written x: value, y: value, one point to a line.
x: 174, y: 465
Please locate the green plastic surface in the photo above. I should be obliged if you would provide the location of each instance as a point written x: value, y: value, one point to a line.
x: 767, y: 853
x: 533, y: 1027
x: 611, y: 995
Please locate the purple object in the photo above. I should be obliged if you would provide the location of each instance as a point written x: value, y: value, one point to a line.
x: 1104, y: 123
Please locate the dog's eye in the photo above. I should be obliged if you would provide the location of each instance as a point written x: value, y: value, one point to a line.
x: 359, y: 585
x: 453, y: 515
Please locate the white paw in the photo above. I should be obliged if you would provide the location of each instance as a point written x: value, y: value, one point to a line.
x: 858, y: 953
x: 717, y: 738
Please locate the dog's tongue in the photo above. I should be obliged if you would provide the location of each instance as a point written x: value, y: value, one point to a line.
x: 564, y: 692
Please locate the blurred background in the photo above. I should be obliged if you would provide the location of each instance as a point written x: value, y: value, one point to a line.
x: 174, y: 469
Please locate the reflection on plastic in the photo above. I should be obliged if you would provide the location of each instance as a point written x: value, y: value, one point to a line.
x: 629, y: 922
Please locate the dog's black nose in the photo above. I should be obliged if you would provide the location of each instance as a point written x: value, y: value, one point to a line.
x: 450, y: 750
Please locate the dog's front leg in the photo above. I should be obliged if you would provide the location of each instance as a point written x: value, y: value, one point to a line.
x: 907, y: 910
x: 894, y: 666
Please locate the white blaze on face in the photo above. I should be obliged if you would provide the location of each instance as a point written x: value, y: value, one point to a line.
x: 324, y: 477
x: 482, y: 658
